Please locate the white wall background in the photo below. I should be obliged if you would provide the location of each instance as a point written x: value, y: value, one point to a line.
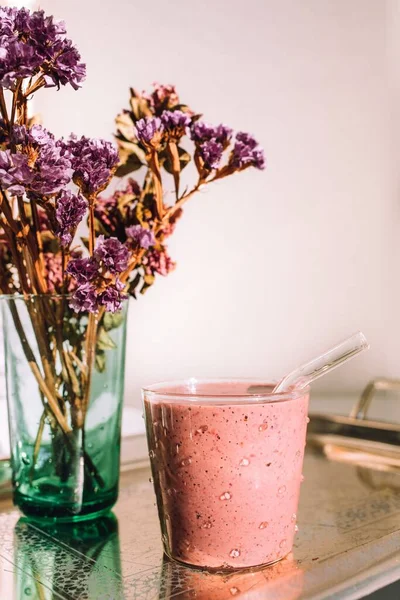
x: 276, y: 265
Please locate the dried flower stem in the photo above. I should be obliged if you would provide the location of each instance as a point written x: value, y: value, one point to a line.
x: 3, y: 107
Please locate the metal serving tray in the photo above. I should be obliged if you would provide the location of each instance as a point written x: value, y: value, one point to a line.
x: 348, y: 543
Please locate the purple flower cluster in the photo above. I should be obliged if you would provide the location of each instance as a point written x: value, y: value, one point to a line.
x: 93, y: 162
x: 31, y: 43
x: 211, y: 153
x: 111, y: 254
x: 147, y: 129
x: 113, y: 297
x: 144, y: 238
x: 70, y: 209
x: 49, y: 172
x: 94, y: 289
x: 86, y: 298
x: 175, y: 120
x: 201, y: 132
x: 83, y: 270
x: 210, y: 142
x: 15, y: 172
x: 162, y: 98
x: 52, y: 170
x: 246, y: 152
x: 157, y: 261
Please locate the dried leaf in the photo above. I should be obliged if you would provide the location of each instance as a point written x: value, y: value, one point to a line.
x: 104, y: 341
x: 184, y: 159
x: 131, y: 164
x: 100, y: 361
x: 125, y: 126
x: 134, y: 284
x: 140, y: 107
x: 112, y: 320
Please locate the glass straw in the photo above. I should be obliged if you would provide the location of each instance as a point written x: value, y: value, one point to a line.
x: 322, y: 364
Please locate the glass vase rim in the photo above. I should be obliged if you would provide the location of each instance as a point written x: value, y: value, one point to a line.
x: 47, y: 296
x: 30, y: 296
x: 165, y: 390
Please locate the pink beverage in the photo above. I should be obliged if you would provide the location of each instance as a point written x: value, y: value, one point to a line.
x: 226, y: 458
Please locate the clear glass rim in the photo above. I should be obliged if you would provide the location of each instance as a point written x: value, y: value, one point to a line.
x: 162, y: 390
x: 33, y: 296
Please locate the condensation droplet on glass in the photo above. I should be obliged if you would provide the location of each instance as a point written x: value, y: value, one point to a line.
x: 296, y: 528
x: 234, y: 591
x: 281, y: 490
x: 263, y: 426
x: 151, y: 454
x: 294, y: 517
x: 202, y: 429
x: 177, y: 448
x: 150, y: 480
x: 95, y: 489
x: 186, y: 461
x: 307, y: 419
x: 234, y: 553
x: 298, y: 453
x: 27, y: 591
x: 225, y: 496
x: 207, y: 525
x: 244, y: 462
x: 282, y: 544
x: 263, y: 525
x: 302, y: 478
x: 90, y: 445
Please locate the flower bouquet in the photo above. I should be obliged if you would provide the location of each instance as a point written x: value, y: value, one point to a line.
x: 64, y: 291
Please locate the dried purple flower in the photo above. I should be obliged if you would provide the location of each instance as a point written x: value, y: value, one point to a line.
x: 147, y: 129
x: 85, y: 299
x: 211, y: 153
x: 113, y: 297
x: 246, y: 152
x: 65, y: 66
x: 113, y: 255
x: 15, y: 173
x: 83, y: 269
x: 144, y: 238
x: 32, y: 43
x: 70, y: 209
x: 202, y: 132
x: 93, y: 162
x: 39, y: 136
x: 156, y: 261
x: 175, y: 119
x: 162, y: 98
x: 52, y: 170
x: 247, y: 139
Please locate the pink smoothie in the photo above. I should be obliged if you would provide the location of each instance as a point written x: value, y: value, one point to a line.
x: 227, y: 474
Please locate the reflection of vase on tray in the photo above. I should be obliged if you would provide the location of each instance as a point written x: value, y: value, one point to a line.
x: 72, y: 560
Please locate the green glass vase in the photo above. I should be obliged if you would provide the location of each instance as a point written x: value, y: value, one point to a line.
x: 65, y: 383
